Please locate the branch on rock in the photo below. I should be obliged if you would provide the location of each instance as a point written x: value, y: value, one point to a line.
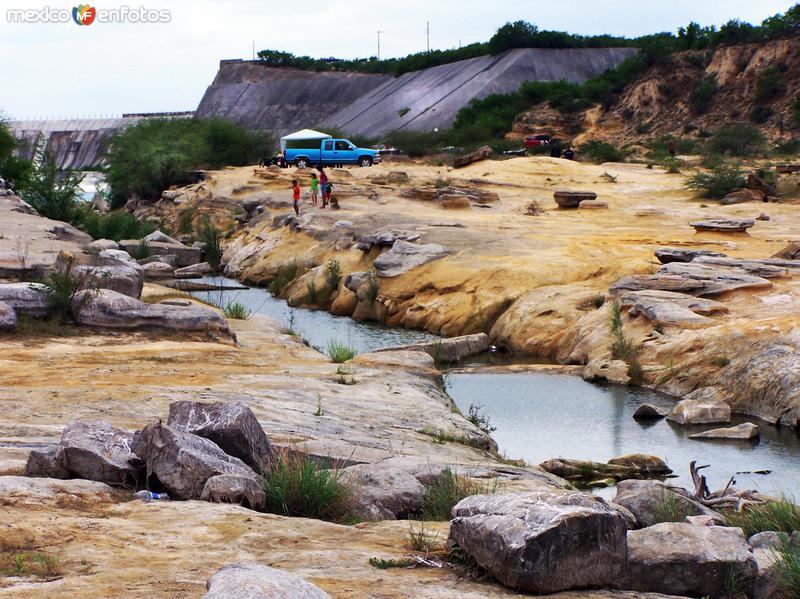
x: 728, y: 497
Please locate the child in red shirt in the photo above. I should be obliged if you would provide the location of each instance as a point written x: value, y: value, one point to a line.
x: 296, y: 196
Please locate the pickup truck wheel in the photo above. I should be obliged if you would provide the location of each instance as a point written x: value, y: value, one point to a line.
x: 365, y: 161
x: 301, y: 163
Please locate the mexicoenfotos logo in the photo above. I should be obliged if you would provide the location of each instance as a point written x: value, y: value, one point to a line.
x: 84, y: 14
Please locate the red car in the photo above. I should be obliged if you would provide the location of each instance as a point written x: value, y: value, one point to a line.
x: 535, y: 141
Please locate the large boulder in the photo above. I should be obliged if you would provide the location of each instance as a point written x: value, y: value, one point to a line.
x: 766, y: 548
x: 29, y: 299
x: 109, y: 309
x: 698, y: 409
x: 683, y: 559
x: 652, y: 501
x: 182, y: 462
x: 40, y: 492
x: 254, y: 581
x: 633, y: 466
x: 383, y: 491
x: 543, y: 541
x: 605, y: 370
x: 232, y: 426
x: 234, y: 488
x: 670, y: 308
x: 694, y: 278
x: 184, y: 255
x: 405, y: 256
x: 8, y: 317
x: 112, y: 269
x: 648, y: 411
x: 665, y: 255
x: 194, y: 270
x: 92, y: 451
x: 157, y: 271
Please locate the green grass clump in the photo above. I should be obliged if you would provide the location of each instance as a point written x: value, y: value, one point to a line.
x: 373, y: 286
x: 339, y: 352
x: 670, y: 509
x: 788, y: 566
x: 142, y: 250
x: 385, y: 564
x: 210, y: 236
x: 333, y: 275
x: 445, y: 491
x: 298, y: 486
x: 421, y: 540
x: 283, y: 278
x: 623, y: 348
x: 781, y: 516
x: 476, y: 416
x: 716, y: 183
x: 29, y: 563
x: 237, y: 311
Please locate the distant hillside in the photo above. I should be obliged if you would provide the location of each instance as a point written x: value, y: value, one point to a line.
x: 691, y: 93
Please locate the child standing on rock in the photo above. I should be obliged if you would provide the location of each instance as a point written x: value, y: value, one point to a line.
x: 314, y: 187
x: 323, y: 184
x: 296, y: 196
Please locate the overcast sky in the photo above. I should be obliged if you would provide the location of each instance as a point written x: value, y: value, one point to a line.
x: 56, y: 70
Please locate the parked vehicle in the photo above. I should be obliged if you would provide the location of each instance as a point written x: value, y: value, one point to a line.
x: 328, y: 152
x: 535, y: 141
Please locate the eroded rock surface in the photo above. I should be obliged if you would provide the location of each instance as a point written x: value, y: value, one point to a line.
x: 232, y: 426
x: 648, y: 500
x: 405, y: 256
x: 255, y: 581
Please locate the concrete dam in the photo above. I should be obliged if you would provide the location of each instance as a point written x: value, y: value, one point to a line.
x: 284, y: 100
x: 260, y: 97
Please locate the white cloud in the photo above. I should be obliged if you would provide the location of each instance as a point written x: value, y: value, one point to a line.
x: 63, y: 69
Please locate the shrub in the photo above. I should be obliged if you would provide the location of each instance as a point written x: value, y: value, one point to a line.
x: 286, y: 274
x: 413, y: 143
x: 446, y: 490
x: 185, y: 221
x: 622, y: 347
x: 237, y: 311
x: 717, y: 183
x: 373, y: 285
x: 476, y: 416
x: 769, y: 85
x: 600, y: 151
x: 781, y: 516
x: 115, y: 225
x: 312, y: 296
x: 52, y: 196
x: 339, y: 352
x: 148, y: 157
x: 209, y: 235
x: 672, y: 165
x: 760, y: 114
x: 534, y: 208
x: 333, y: 275
x: 737, y: 139
x: 298, y: 486
x: 702, y: 94
x: 62, y: 285
x: 421, y: 540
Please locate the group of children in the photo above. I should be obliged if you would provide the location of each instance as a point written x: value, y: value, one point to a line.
x: 319, y: 185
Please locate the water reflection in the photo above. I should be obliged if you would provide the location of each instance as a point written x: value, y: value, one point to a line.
x: 542, y: 416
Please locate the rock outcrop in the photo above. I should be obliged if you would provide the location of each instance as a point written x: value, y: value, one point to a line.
x: 723, y: 225
x: 670, y: 308
x: 566, y: 198
x: 8, y: 317
x: 232, y: 426
x: 234, y: 488
x: 451, y: 349
x: 542, y: 542
x: 648, y: 411
x: 29, y: 299
x: 254, y: 581
x: 109, y: 309
x: 405, y: 256
x: 700, y: 411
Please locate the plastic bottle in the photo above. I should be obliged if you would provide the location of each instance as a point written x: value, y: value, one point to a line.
x: 150, y: 496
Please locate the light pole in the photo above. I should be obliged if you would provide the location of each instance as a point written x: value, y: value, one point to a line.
x: 379, y: 45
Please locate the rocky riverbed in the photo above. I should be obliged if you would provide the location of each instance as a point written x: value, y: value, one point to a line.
x: 414, y: 249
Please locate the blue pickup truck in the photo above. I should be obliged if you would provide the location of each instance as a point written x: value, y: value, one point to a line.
x: 328, y: 152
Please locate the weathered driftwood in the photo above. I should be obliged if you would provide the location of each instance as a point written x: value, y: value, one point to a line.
x: 724, y: 498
